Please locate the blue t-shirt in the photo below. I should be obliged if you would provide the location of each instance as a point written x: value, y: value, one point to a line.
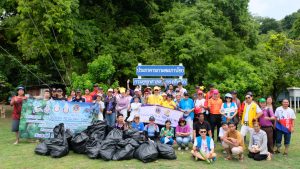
x: 139, y: 127
x: 187, y: 104
x: 151, y: 129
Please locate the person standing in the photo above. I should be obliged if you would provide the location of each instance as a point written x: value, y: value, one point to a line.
x: 156, y: 98
x: 169, y: 103
x: 100, y: 107
x: 78, y: 97
x: 72, y: 95
x: 238, y: 104
x: 285, y: 125
x: 181, y: 89
x: 266, y: 122
x: 16, y: 102
x: 214, y: 107
x: 87, y: 96
x: 59, y: 95
x: 251, y: 111
x: 199, y: 104
x: 110, y: 108
x: 258, y: 149
x: 186, y: 105
x: 122, y: 103
x: 228, y: 109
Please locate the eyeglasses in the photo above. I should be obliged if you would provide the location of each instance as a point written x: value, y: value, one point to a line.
x: 156, y: 90
x: 202, y: 131
x: 248, y: 97
x: 227, y: 98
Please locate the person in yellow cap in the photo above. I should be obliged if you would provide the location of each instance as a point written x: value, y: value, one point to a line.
x: 122, y: 103
x: 156, y: 98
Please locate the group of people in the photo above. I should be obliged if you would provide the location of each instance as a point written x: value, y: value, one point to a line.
x: 203, y: 113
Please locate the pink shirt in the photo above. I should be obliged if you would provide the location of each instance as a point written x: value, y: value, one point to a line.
x: 184, y: 129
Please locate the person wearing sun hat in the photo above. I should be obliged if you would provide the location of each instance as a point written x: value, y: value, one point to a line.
x: 110, y: 107
x: 16, y: 102
x: 156, y: 98
x: 228, y: 109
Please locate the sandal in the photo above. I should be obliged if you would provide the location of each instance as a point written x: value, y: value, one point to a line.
x: 241, y: 158
x: 228, y: 158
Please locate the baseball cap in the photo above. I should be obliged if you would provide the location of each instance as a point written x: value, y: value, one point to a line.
x: 164, y: 94
x: 151, y: 118
x: 215, y: 91
x: 136, y: 90
x: 228, y: 95
x: 186, y: 94
x: 156, y: 88
x: 122, y: 90
x: 249, y: 93
x: 200, y: 92
x: 96, y: 85
x: 110, y: 90
x: 234, y: 92
x: 59, y: 90
x: 20, y: 88
x: 78, y: 91
x: 262, y: 100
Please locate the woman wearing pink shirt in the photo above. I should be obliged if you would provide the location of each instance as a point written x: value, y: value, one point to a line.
x: 183, y: 132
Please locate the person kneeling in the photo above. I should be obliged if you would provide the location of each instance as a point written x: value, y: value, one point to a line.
x: 258, y: 148
x: 167, y: 134
x: 203, y: 148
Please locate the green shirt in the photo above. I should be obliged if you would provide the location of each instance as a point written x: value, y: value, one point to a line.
x: 164, y: 132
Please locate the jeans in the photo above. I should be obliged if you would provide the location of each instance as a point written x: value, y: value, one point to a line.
x: 111, y: 119
x: 287, y: 138
x: 183, y: 141
x: 170, y: 142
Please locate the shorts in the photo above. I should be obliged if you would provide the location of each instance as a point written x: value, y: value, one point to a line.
x: 15, y: 125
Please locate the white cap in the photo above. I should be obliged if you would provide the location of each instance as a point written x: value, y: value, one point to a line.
x: 110, y: 90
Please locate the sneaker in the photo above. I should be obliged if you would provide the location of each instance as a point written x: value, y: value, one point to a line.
x: 186, y: 148
x: 214, y: 159
x: 179, y: 148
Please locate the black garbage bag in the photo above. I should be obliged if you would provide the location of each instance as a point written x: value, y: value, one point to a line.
x: 147, y: 152
x: 78, y: 142
x: 68, y: 136
x: 108, y: 129
x: 130, y: 141
x: 98, y: 135
x: 125, y: 153
x: 96, y: 126
x: 108, y: 149
x: 93, y: 149
x: 59, y: 130
x: 42, y: 149
x: 58, y: 151
x: 135, y: 134
x: 115, y: 134
x: 166, y: 151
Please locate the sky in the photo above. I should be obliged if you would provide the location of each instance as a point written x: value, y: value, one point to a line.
x: 277, y: 9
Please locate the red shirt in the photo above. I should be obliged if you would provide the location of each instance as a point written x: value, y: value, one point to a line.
x: 17, y: 105
x: 88, y: 98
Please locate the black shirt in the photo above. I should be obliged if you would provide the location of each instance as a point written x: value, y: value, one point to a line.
x: 62, y: 98
x: 199, y: 125
x: 81, y: 99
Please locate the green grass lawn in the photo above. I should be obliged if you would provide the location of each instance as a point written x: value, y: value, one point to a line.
x: 23, y: 156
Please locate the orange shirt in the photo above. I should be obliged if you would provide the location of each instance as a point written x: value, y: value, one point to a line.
x: 88, y: 98
x: 215, y: 105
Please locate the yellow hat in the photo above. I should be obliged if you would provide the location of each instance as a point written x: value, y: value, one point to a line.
x: 156, y: 88
x: 122, y: 90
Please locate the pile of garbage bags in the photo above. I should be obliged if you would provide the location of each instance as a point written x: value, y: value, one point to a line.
x: 100, y: 141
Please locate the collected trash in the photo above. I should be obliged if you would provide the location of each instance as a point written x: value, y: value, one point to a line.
x: 102, y: 141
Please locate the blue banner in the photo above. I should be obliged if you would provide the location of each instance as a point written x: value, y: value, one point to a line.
x: 39, y: 117
x: 157, y: 81
x: 160, y: 70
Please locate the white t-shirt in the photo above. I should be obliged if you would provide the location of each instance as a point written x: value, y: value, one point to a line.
x: 258, y: 110
x: 221, y: 132
x: 282, y: 113
x: 204, y: 147
x: 199, y: 103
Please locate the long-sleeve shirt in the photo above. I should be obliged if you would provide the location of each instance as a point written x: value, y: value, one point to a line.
x: 259, y: 139
x: 122, y: 103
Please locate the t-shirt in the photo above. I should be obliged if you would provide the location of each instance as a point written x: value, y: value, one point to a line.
x: 248, y: 106
x: 88, y: 98
x: 17, y: 107
x: 215, y: 105
x: 284, y: 118
x: 155, y: 99
x: 62, y: 98
x: 200, y: 102
x: 199, y: 125
x: 236, y: 135
x: 221, y: 133
x: 167, y: 132
x: 151, y: 129
x: 187, y: 104
x: 204, y: 146
x: 267, y: 112
x: 139, y: 126
x: 167, y: 104
x: 81, y: 99
x: 184, y: 129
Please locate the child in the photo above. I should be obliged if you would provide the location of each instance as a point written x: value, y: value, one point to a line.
x: 151, y: 130
x: 167, y: 134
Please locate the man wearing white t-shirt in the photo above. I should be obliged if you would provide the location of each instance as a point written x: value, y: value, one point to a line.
x: 285, y: 123
x: 222, y: 131
x: 203, y: 148
x: 251, y: 111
